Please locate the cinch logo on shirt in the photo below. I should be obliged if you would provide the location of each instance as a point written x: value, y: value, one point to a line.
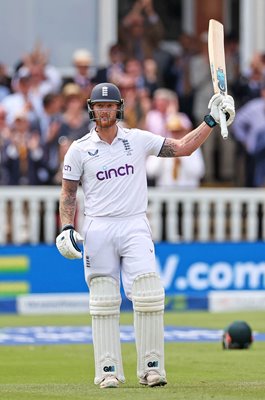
x: 114, y: 173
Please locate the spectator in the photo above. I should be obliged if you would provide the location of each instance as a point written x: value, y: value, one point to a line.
x: 23, y: 155
x: 177, y: 73
x: 184, y: 172
x: 249, y: 132
x: 165, y: 103
x: 150, y: 75
x: 45, y: 78
x: 248, y: 84
x: 140, y: 31
x: 133, y: 87
x: 82, y: 62
x: 52, y: 112
x: 21, y: 100
x: 114, y: 69
x: 133, y: 75
x: 45, y: 74
x: 50, y: 125
x: 138, y: 104
x: 75, y: 120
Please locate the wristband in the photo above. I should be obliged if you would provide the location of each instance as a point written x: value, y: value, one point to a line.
x: 66, y: 227
x: 210, y: 121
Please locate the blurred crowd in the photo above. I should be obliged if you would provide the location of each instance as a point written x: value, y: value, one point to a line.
x: 166, y: 90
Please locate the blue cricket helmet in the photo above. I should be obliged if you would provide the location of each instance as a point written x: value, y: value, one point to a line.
x: 105, y: 93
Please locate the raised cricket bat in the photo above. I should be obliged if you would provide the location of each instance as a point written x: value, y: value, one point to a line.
x: 217, y: 64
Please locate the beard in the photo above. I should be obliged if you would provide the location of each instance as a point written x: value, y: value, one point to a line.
x: 105, y: 121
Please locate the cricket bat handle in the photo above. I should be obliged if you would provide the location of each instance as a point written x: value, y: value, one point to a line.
x: 223, y: 126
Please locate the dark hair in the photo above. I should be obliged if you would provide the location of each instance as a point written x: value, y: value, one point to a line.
x: 48, y: 99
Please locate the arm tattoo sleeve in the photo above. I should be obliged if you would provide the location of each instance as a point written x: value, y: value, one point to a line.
x: 68, y: 201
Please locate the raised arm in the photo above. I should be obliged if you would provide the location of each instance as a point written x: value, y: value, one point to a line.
x: 67, y: 206
x: 195, y: 138
x: 186, y: 145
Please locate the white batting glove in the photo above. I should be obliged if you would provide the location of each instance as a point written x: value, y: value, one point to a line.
x: 224, y: 103
x: 66, y: 243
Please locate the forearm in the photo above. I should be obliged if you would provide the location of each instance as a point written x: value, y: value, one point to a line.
x: 188, y: 144
x: 67, y: 206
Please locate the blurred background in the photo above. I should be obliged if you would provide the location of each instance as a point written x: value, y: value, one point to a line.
x: 206, y: 211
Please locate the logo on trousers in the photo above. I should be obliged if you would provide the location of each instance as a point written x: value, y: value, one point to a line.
x: 115, y: 172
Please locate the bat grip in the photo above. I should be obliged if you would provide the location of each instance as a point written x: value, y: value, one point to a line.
x: 224, y: 130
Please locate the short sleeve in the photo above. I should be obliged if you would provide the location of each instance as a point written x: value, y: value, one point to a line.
x: 152, y: 143
x: 72, y: 168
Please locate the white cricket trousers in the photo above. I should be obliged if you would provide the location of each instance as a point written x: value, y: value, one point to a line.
x: 118, y: 246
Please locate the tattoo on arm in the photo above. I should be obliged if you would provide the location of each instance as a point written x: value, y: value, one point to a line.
x: 169, y: 149
x: 185, y: 146
x: 68, y: 201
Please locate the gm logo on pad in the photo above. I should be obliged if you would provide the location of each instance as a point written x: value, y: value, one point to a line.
x: 110, y: 368
x: 105, y: 91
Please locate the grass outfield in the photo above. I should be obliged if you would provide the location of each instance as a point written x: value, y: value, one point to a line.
x: 194, y: 370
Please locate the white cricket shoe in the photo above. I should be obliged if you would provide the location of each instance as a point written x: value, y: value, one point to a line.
x: 109, y: 382
x: 152, y: 379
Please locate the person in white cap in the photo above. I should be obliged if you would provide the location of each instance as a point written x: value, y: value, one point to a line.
x: 82, y: 61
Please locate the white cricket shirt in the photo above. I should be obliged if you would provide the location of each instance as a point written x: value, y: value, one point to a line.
x: 113, y: 176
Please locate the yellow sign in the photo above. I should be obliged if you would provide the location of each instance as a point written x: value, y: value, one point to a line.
x: 13, y: 265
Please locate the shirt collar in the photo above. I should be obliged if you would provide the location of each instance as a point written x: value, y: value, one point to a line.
x: 95, y: 138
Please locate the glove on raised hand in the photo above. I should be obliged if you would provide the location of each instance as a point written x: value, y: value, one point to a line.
x: 224, y: 103
x: 66, y: 243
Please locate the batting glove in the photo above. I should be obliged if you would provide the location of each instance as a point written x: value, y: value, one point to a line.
x: 222, y: 103
x: 66, y: 243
